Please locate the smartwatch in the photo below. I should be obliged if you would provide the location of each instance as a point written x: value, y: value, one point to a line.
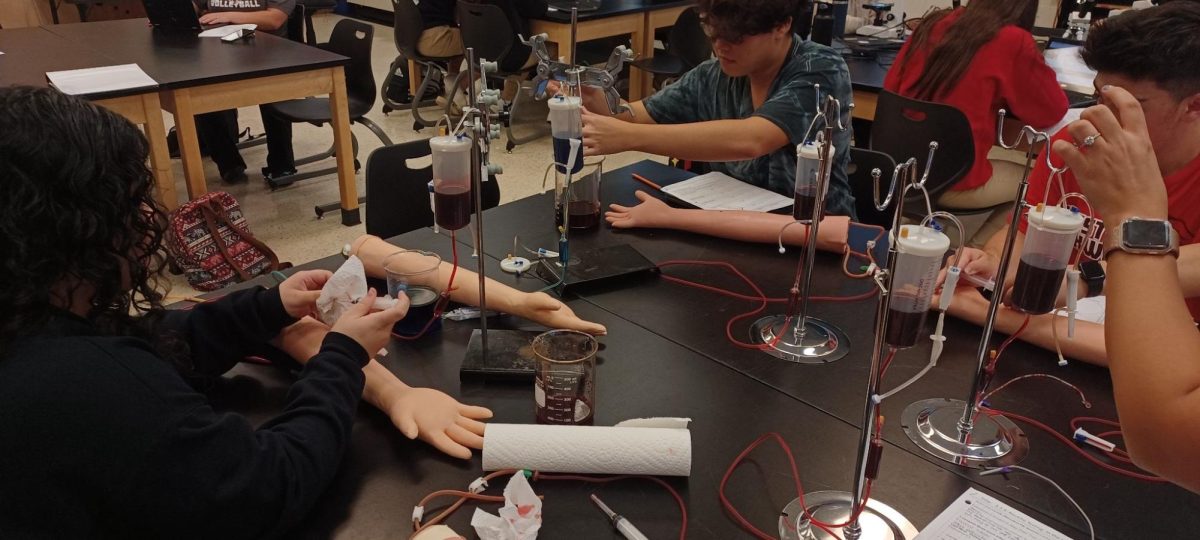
x: 1092, y: 273
x: 1145, y: 237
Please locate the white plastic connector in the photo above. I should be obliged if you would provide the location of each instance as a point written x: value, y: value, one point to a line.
x: 1072, y: 294
x: 1082, y: 436
x: 418, y: 513
x: 433, y: 208
x: 477, y: 486
x: 948, y: 288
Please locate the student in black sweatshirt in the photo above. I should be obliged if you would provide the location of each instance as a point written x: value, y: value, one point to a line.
x: 100, y: 433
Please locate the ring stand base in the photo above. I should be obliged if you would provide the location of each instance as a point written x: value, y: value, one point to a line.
x: 821, y: 342
x: 877, y: 521
x: 995, y: 441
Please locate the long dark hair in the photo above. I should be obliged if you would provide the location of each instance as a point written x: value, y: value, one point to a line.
x: 77, y: 215
x: 980, y: 21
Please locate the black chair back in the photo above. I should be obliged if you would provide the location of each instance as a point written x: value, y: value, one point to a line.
x: 904, y: 127
x: 407, y: 26
x: 397, y: 199
x: 688, y: 41
x: 353, y: 39
x: 488, y: 28
x: 862, y: 185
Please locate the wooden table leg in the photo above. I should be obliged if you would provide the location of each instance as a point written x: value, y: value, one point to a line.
x: 640, y: 80
x: 348, y: 189
x: 414, y: 79
x: 160, y: 159
x: 189, y: 143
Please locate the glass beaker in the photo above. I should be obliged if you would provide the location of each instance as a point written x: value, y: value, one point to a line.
x: 808, y: 168
x: 919, y: 254
x: 566, y: 123
x: 1048, y: 241
x: 414, y: 273
x: 451, y: 181
x: 582, y: 201
x: 565, y: 381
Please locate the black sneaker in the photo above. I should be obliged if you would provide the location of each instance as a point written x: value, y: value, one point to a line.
x: 271, y: 174
x: 236, y: 175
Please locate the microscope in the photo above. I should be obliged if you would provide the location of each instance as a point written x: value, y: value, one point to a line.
x: 1079, y: 22
x: 879, y: 24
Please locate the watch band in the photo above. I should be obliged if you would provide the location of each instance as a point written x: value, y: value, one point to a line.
x: 1119, y: 244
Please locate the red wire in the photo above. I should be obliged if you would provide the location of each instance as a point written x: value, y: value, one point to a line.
x: 759, y: 297
x: 609, y: 479
x: 787, y: 450
x: 1070, y: 443
x: 445, y: 296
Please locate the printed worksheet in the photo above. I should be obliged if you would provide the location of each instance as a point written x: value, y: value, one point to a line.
x: 719, y: 191
x: 979, y: 516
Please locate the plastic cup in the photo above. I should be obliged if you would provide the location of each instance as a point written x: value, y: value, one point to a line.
x: 414, y: 273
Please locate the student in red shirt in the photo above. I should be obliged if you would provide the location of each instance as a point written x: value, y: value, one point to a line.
x: 1154, y: 54
x: 979, y: 59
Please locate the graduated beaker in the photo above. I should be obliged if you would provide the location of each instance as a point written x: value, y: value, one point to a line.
x: 582, y: 200
x: 565, y: 380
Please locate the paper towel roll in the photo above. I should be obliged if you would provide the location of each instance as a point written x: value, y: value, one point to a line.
x: 588, y: 449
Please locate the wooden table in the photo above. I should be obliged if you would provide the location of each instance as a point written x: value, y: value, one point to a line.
x: 30, y: 52
x: 201, y: 75
x: 636, y: 18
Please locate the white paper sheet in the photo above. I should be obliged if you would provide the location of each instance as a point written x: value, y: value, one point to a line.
x: 978, y: 516
x: 719, y: 191
x: 1073, y: 73
x: 222, y: 31
x: 1088, y: 309
x: 100, y: 79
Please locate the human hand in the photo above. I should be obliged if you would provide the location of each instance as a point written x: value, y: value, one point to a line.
x: 1119, y: 172
x: 549, y: 312
x: 300, y: 291
x: 604, y: 135
x: 593, y: 98
x: 437, y: 419
x: 975, y: 262
x: 220, y: 17
x: 371, y: 330
x: 651, y: 213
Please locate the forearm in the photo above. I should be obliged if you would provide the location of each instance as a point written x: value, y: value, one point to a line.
x: 1086, y: 346
x: 267, y: 20
x: 717, y: 140
x: 762, y: 227
x: 1155, y: 352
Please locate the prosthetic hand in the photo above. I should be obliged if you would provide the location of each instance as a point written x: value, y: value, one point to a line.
x: 425, y: 413
x: 651, y: 213
x: 537, y: 307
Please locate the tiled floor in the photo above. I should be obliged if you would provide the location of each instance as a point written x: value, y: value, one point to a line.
x: 284, y: 219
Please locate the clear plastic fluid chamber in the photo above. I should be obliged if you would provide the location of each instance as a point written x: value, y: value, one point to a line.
x: 451, y: 181
x: 808, y: 170
x: 566, y: 123
x: 919, y: 254
x: 1049, y: 239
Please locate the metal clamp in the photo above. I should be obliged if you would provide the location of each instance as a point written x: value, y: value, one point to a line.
x: 550, y: 69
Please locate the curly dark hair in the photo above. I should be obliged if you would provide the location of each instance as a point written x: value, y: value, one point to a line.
x: 734, y: 20
x: 77, y: 217
x: 1160, y: 44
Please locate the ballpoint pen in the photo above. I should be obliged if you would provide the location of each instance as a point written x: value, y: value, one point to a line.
x: 620, y: 523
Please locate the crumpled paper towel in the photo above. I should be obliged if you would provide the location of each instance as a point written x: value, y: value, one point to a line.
x: 520, y: 518
x: 345, y: 288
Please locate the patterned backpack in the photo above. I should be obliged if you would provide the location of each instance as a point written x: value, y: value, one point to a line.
x: 209, y: 239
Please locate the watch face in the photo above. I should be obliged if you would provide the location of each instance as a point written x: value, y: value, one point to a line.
x: 1146, y: 234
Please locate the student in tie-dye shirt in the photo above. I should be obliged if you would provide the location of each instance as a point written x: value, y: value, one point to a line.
x: 743, y: 111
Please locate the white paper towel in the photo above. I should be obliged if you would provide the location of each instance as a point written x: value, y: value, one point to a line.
x: 656, y: 451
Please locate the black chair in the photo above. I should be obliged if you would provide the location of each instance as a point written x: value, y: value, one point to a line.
x: 862, y: 185
x: 687, y: 47
x: 300, y: 23
x: 398, y: 195
x: 407, y: 26
x: 491, y: 30
x: 351, y: 39
x: 903, y: 129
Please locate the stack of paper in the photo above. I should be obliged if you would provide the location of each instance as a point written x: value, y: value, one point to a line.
x: 222, y: 31
x: 101, y: 79
x: 978, y: 516
x: 718, y: 191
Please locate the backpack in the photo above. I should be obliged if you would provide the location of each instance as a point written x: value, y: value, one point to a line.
x: 209, y: 240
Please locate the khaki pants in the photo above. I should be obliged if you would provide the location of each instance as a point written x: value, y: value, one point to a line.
x: 1000, y: 189
x: 440, y: 42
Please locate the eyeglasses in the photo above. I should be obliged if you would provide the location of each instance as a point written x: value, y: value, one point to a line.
x: 713, y: 34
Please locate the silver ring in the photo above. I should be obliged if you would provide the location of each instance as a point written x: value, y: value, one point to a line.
x: 1090, y: 140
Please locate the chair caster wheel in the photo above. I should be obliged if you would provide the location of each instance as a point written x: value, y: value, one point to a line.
x: 508, y: 147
